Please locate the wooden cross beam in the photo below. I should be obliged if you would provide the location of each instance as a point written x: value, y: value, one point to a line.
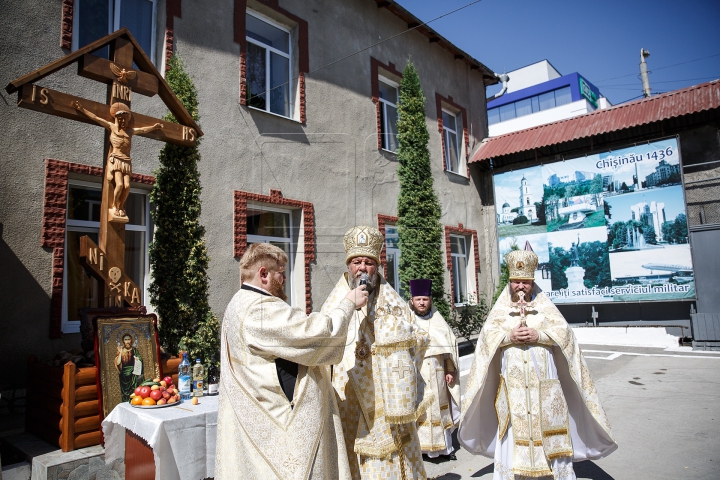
x: 129, y: 71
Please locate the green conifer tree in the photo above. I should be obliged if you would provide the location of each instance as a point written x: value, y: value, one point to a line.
x: 419, y: 230
x: 178, y: 254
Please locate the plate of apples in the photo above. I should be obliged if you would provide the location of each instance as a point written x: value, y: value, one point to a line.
x: 155, y: 393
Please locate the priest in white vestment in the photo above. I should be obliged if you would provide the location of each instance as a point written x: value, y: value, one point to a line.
x: 277, y: 414
x: 378, y: 383
x: 530, y: 402
x: 440, y: 371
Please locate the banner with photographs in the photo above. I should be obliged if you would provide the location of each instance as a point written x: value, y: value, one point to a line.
x: 609, y: 227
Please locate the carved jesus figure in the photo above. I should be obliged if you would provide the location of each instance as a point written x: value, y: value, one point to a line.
x: 119, y: 163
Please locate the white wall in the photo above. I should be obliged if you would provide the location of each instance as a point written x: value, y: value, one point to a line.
x: 531, y: 75
x: 562, y: 112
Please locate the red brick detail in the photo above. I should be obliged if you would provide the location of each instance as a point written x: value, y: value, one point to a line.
x: 301, y: 81
x: 303, y: 47
x: 66, y: 26
x: 382, y: 221
x: 52, y: 234
x: 173, y: 8
x: 275, y: 198
x: 439, y: 100
x: 460, y: 230
x: 375, y: 66
x: 243, y: 78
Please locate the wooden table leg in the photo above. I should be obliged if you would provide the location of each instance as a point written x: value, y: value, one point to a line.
x: 139, y: 459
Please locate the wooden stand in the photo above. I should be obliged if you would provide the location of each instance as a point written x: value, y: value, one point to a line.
x: 62, y: 403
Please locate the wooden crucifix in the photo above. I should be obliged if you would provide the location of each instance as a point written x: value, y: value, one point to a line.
x: 130, y: 71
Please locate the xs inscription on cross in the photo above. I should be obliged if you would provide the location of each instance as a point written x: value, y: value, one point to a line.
x: 130, y: 71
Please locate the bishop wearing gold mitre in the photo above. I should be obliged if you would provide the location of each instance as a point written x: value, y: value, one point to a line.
x: 530, y: 402
x: 378, y: 384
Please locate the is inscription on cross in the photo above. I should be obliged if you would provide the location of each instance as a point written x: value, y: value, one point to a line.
x: 130, y: 71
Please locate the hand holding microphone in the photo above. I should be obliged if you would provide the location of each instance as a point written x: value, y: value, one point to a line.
x: 359, y: 296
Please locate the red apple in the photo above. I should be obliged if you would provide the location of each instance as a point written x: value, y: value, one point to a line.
x: 156, y: 395
x: 145, y: 392
x: 137, y: 391
x: 168, y: 381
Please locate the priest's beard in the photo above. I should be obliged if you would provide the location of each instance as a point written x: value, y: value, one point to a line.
x: 527, y: 290
x: 418, y: 312
x: 277, y: 289
x: 355, y: 281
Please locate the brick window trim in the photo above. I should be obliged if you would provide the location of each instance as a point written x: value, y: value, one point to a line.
x: 239, y: 32
x: 439, y: 101
x: 460, y: 230
x: 275, y: 198
x: 173, y: 8
x: 375, y: 67
x: 53, y: 225
x: 382, y: 221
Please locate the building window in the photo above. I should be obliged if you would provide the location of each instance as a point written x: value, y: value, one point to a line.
x: 269, y: 66
x: 459, y: 256
x: 526, y: 106
x: 452, y: 124
x: 388, y: 113
x: 275, y: 226
x: 83, y: 218
x: 392, y: 253
x: 93, y: 19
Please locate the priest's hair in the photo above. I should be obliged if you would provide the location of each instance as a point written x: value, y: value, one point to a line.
x: 260, y: 255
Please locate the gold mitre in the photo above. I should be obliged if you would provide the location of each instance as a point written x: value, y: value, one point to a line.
x: 522, y: 264
x: 363, y: 241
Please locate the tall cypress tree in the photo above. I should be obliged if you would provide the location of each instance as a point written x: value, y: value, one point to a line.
x: 419, y: 230
x: 178, y: 254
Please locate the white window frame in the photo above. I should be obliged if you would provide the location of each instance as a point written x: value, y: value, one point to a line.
x: 268, y: 50
x: 85, y: 226
x: 384, y: 132
x: 396, y: 252
x: 114, y: 23
x: 458, y: 143
x: 456, y: 272
x: 290, y: 267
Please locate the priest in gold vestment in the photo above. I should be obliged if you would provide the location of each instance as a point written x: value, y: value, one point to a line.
x: 440, y: 370
x: 378, y: 384
x: 277, y: 414
x: 530, y: 402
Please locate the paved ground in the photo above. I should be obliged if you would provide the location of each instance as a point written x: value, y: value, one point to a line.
x: 664, y: 407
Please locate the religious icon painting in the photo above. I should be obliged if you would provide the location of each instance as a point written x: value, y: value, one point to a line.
x: 127, y: 354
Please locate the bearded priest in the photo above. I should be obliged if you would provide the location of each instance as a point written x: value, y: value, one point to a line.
x: 378, y: 384
x: 277, y: 415
x: 530, y: 402
x: 440, y: 372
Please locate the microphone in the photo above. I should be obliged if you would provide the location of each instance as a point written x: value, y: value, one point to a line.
x: 364, y: 279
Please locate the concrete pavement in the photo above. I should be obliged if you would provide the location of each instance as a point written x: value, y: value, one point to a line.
x: 664, y: 408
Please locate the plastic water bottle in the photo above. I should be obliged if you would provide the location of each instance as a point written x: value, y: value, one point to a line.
x: 198, y: 378
x: 184, y: 378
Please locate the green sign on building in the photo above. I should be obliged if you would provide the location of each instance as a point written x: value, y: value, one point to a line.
x: 587, y: 92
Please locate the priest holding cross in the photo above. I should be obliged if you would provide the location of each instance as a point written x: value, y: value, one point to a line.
x: 119, y: 163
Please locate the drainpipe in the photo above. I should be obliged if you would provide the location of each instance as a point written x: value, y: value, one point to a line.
x: 644, y: 72
x: 504, y: 78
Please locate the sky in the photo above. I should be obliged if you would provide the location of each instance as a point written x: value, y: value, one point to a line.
x: 599, y: 40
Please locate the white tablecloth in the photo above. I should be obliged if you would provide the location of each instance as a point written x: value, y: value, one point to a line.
x: 182, y: 437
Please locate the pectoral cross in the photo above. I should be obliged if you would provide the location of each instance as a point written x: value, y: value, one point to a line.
x: 129, y: 71
x: 521, y: 305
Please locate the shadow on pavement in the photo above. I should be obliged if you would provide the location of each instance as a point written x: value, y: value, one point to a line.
x: 589, y: 470
x: 585, y: 470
